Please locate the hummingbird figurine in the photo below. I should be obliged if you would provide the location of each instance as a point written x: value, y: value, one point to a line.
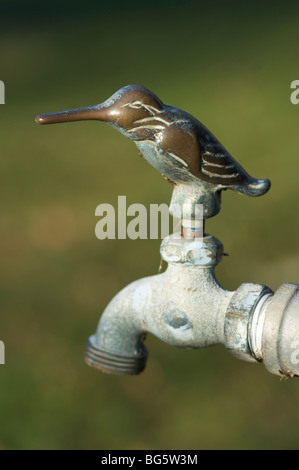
x: 171, y: 140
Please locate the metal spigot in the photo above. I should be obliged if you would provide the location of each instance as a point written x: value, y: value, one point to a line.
x: 185, y: 306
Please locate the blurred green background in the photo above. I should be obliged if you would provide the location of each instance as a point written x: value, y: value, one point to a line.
x: 231, y: 65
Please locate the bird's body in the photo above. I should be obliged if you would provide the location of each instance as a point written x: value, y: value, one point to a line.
x: 183, y: 143
x: 171, y: 140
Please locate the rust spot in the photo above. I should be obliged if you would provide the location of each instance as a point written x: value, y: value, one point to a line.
x: 168, y: 180
x: 143, y: 337
x: 287, y: 375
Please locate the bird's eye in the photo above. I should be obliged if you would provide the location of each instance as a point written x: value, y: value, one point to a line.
x: 136, y: 105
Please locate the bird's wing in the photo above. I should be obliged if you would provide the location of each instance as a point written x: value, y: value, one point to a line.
x: 200, y: 154
x: 217, y: 165
x: 180, y: 146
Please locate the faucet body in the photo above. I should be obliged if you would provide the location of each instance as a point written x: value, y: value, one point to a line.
x: 186, y: 307
x: 183, y: 306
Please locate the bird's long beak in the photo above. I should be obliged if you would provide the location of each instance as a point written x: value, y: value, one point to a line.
x: 98, y: 112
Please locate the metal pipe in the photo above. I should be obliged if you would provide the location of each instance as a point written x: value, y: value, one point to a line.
x: 274, y: 335
x: 184, y: 306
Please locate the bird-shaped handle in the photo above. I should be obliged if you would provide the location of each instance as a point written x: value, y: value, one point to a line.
x: 179, y: 146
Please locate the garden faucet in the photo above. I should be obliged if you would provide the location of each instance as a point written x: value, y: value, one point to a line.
x: 185, y: 306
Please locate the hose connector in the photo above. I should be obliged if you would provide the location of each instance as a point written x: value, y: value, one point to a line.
x: 238, y: 320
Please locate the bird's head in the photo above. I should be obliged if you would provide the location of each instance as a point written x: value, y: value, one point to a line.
x: 123, y: 110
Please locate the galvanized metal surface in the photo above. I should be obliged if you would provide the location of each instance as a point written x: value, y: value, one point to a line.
x: 280, y: 335
x: 184, y: 306
x: 238, y: 319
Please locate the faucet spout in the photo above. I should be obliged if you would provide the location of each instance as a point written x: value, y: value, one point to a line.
x: 185, y: 307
